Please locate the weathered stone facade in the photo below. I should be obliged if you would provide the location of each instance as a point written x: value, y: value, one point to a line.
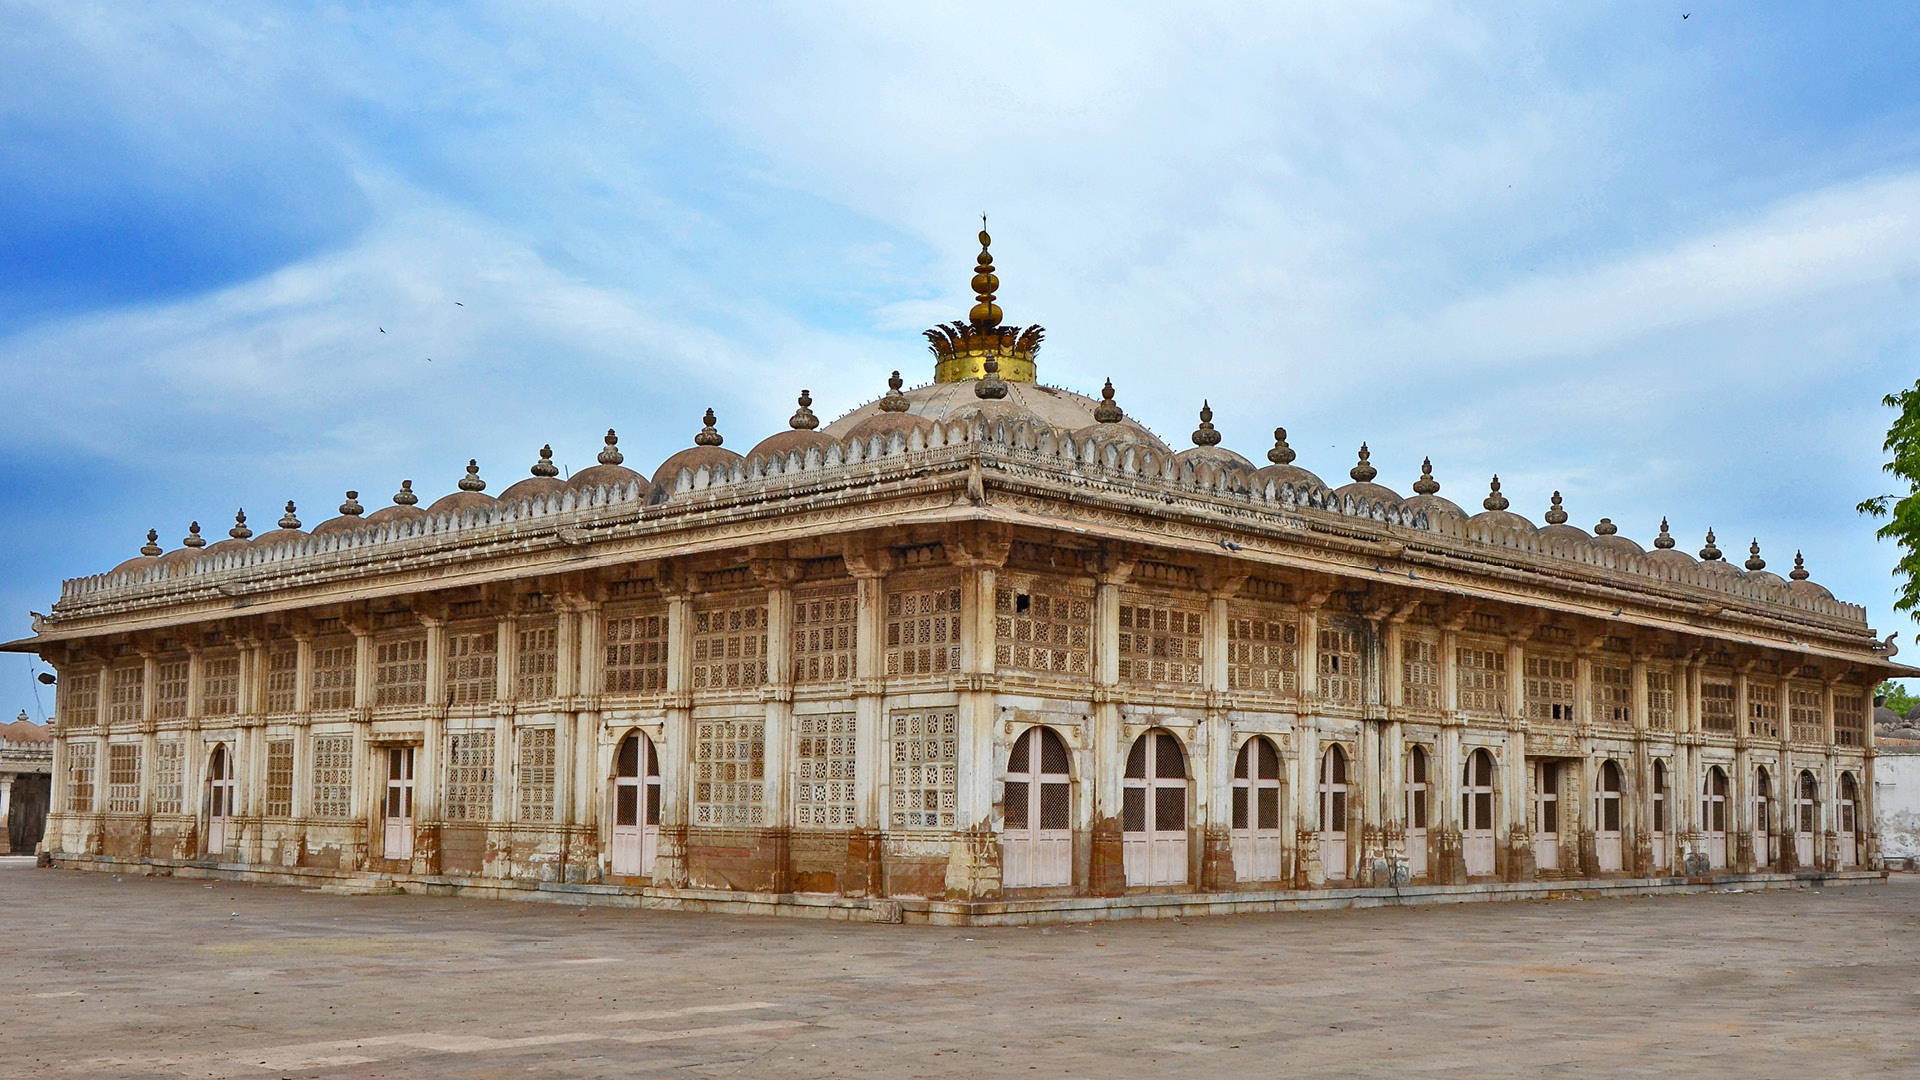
x: 983, y: 649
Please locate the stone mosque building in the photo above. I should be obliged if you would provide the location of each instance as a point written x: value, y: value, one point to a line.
x: 982, y: 650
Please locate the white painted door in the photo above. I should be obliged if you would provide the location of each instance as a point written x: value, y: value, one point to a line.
x: 1847, y: 810
x: 1476, y: 814
x: 1765, y: 848
x: 1546, y: 815
x: 1606, y: 818
x: 1153, y: 812
x: 1660, y: 826
x: 1036, y: 847
x: 1713, y: 816
x: 396, y: 824
x: 1418, y: 807
x: 1807, y: 819
x: 1256, y: 812
x: 219, y: 800
x: 636, y: 806
x: 1333, y: 813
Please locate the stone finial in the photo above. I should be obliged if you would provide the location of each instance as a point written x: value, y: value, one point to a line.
x: 1556, y: 514
x: 240, y: 530
x: 1606, y: 527
x: 1495, y: 500
x: 152, y: 546
x: 1799, y: 571
x: 545, y: 466
x: 193, y: 538
x: 1108, y: 411
x: 708, y: 434
x: 1426, y: 485
x: 1754, y: 561
x: 803, y: 418
x: 472, y: 481
x: 352, y: 507
x: 1204, y: 435
x: 1363, y: 471
x: 1709, y: 553
x: 611, y: 455
x: 991, y: 386
x: 405, y: 496
x: 895, y: 401
x: 289, y: 520
x: 1665, y: 540
x: 1281, y: 454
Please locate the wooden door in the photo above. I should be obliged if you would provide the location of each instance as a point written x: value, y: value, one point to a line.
x: 1765, y: 829
x: 1418, y: 808
x: 1036, y: 847
x: 1660, y: 827
x: 1153, y: 812
x: 1607, y: 818
x: 1546, y: 815
x: 220, y: 788
x: 1256, y: 811
x: 1846, y: 811
x: 1713, y: 816
x: 396, y: 814
x: 1476, y: 814
x: 1807, y: 818
x: 1333, y: 812
x: 636, y: 806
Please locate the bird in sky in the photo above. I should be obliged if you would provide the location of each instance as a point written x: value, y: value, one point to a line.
x: 382, y: 329
x: 457, y: 303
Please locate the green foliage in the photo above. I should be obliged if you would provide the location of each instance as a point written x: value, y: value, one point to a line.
x: 1897, y: 697
x: 1902, y: 511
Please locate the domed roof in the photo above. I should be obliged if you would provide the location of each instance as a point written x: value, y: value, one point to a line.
x: 939, y: 402
x: 1800, y: 584
x: 149, y: 554
x: 802, y: 434
x: 1206, y: 448
x: 237, y: 537
x: 545, y: 479
x: 1557, y: 530
x: 706, y: 452
x: 24, y: 730
x: 348, y: 520
x: 1496, y: 513
x: 1666, y: 551
x: 1713, y: 562
x: 289, y: 529
x: 406, y: 507
x: 1427, y: 498
x: 1284, y: 472
x: 193, y: 545
x: 609, y: 471
x: 1607, y: 535
x: 886, y: 423
x: 471, y: 496
x: 1110, y: 427
x: 1757, y: 567
x: 1363, y: 486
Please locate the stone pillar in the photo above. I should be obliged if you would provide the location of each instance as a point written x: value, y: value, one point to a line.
x: 865, y: 875
x: 1213, y: 770
x: 1642, y: 862
x: 1392, y: 751
x: 6, y: 814
x: 1448, y: 864
x: 1741, y: 813
x: 670, y: 861
x: 583, y: 771
x: 370, y: 768
x: 778, y: 576
x: 1693, y: 775
x: 505, y: 661
x: 1106, y: 756
x: 973, y: 868
x: 1517, y: 862
x: 1308, y: 872
x: 429, y: 776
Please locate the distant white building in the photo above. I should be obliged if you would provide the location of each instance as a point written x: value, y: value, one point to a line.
x: 1897, y: 786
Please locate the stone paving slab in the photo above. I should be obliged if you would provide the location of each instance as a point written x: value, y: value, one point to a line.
x: 123, y: 976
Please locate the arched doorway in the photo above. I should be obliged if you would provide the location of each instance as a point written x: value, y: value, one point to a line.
x: 1765, y: 829
x: 1476, y: 814
x: 1606, y: 818
x: 1153, y: 811
x: 1256, y: 811
x: 1036, y: 847
x: 1419, y: 791
x: 220, y: 788
x: 396, y: 824
x: 1847, y: 810
x: 1660, y: 827
x: 1713, y: 816
x: 1806, y: 817
x: 1333, y: 812
x: 636, y: 806
x: 1546, y: 815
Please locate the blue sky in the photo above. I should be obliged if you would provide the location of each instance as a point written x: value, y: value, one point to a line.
x: 1663, y: 265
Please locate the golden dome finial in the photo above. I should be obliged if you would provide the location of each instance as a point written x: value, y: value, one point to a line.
x: 985, y: 312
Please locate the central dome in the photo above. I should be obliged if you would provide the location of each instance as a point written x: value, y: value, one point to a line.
x: 1048, y: 405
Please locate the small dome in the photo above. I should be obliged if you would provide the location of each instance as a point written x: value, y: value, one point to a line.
x: 706, y: 452
x: 471, y: 496
x: 1284, y: 472
x: 1804, y: 588
x: 1427, y: 498
x: 802, y: 434
x: 1713, y: 562
x: 545, y: 480
x: 1607, y: 535
x: 1207, y: 450
x: 1496, y: 513
x: 348, y: 520
x: 1557, y: 532
x: 886, y: 423
x: 289, y: 529
x: 237, y: 537
x: 149, y: 554
x: 406, y: 507
x: 1666, y: 551
x: 1363, y: 486
x: 193, y: 545
x: 610, y: 471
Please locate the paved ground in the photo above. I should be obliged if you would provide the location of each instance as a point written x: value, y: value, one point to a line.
x: 110, y: 976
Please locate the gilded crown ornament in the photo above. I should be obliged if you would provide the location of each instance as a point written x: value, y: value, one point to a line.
x: 1799, y: 571
x: 1709, y: 553
x: 405, y: 496
x: 1426, y: 485
x: 611, y: 454
x: 152, y: 546
x: 1281, y: 454
x: 1108, y: 411
x: 1556, y: 514
x: 961, y: 349
x: 352, y: 507
x: 803, y: 418
x: 193, y: 539
x: 240, y: 530
x: 1754, y: 561
x: 708, y: 434
x: 1363, y: 471
x: 472, y: 481
x: 1495, y: 500
x: 545, y: 466
x: 1204, y: 435
x: 894, y: 400
x: 1665, y: 540
x: 289, y: 520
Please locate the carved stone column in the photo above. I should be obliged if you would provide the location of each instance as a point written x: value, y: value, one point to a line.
x: 1214, y: 776
x: 1448, y: 864
x: 778, y: 577
x: 1308, y: 873
x: 1106, y: 864
x: 973, y: 867
x: 865, y: 872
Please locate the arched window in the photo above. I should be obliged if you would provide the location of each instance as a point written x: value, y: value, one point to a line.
x: 1153, y: 811
x: 1037, y: 845
x: 1476, y: 813
x: 1713, y: 815
x: 1419, y: 798
x: 1333, y: 811
x: 1256, y: 811
x: 1607, y: 817
x: 636, y: 806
